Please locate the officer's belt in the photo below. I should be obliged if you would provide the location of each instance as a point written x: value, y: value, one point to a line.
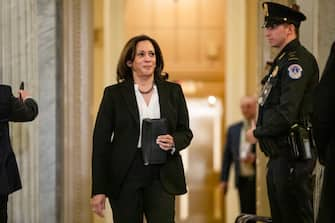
x: 275, y: 146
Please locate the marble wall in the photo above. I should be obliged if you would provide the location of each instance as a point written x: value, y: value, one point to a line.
x: 47, y: 68
x: 326, y: 30
x: 28, y: 53
x: 19, y: 62
x: 46, y: 43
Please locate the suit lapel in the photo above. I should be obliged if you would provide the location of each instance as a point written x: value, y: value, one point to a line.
x: 238, y: 138
x: 163, y: 98
x: 128, y: 94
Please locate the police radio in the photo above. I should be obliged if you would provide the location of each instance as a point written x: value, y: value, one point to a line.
x: 302, y: 142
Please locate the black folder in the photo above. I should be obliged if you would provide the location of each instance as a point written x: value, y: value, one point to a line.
x: 152, y: 153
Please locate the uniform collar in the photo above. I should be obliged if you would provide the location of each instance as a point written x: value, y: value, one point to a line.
x: 289, y: 47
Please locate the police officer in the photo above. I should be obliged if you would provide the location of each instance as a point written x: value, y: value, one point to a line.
x: 285, y: 101
x: 17, y: 109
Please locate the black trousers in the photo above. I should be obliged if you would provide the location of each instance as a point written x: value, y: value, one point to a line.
x: 290, y: 189
x: 247, y: 194
x: 143, y: 195
x: 3, y: 208
x: 326, y: 209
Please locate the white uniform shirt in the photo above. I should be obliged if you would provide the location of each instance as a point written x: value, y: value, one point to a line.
x: 246, y: 169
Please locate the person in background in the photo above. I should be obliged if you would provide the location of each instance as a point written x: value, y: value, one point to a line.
x: 285, y: 111
x: 118, y: 170
x: 12, y: 109
x: 243, y: 154
x: 323, y: 123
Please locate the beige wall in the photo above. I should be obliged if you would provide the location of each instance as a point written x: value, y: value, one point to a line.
x: 190, y: 33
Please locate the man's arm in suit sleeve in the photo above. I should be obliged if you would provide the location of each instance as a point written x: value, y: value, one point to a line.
x: 227, y: 157
x: 23, y: 111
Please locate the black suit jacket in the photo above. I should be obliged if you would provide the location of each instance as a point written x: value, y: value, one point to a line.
x: 324, y: 129
x: 232, y: 152
x: 11, y: 109
x: 324, y: 109
x: 118, y: 118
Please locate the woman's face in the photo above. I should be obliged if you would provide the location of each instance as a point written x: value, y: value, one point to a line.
x: 144, y: 63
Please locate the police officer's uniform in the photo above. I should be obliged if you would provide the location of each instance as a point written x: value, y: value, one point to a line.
x: 285, y: 100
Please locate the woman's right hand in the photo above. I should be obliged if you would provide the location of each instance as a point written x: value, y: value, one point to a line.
x: 98, y: 204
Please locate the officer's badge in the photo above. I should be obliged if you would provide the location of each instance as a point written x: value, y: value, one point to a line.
x: 275, y: 71
x: 266, y: 10
x: 295, y: 71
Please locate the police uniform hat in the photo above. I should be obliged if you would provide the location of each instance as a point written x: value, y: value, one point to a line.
x: 276, y: 14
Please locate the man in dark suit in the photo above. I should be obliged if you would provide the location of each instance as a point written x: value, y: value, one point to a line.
x: 324, y: 122
x: 242, y: 154
x: 14, y: 109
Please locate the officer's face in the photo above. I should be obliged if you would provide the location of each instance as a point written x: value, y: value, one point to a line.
x: 277, y: 35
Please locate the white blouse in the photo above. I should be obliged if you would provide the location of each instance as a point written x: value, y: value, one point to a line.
x: 152, y: 110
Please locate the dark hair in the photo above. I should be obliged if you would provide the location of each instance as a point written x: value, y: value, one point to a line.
x: 124, y: 72
x: 296, y: 28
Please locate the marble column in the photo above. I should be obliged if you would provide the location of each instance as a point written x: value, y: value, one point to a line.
x: 75, y: 129
x: 48, y: 35
x: 47, y: 44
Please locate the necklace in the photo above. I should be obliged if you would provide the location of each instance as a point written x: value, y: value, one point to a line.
x: 146, y: 92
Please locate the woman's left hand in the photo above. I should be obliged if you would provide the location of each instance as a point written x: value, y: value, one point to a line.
x: 166, y: 142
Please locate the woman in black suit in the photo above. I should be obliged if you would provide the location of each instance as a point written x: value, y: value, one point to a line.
x: 118, y: 169
x: 14, y: 109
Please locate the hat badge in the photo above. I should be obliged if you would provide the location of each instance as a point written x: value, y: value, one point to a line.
x: 266, y: 10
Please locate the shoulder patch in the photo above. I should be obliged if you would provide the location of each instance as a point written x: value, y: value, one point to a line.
x: 295, y: 71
